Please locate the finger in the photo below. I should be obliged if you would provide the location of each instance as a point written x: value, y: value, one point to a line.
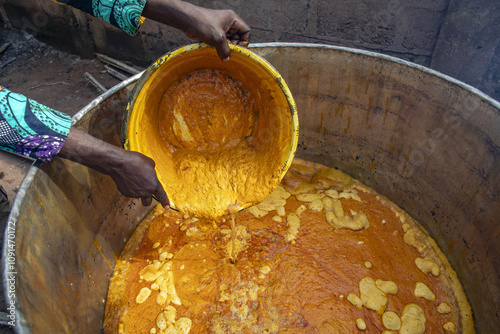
x: 237, y: 41
x: 161, y: 196
x: 239, y: 29
x: 223, y: 50
x: 244, y: 39
x: 243, y: 44
x: 238, y: 25
x: 146, y: 201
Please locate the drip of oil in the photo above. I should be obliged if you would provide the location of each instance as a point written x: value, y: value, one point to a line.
x: 232, y: 210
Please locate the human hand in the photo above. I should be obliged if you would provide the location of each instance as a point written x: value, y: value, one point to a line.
x: 136, y: 177
x: 217, y: 27
x: 133, y: 173
x: 214, y: 27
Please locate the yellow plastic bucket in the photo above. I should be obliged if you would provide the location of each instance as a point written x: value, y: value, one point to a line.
x: 221, y: 133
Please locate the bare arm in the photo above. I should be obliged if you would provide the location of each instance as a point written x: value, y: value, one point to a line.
x: 211, y: 26
x: 133, y: 173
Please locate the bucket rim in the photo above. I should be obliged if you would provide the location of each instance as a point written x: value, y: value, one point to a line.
x: 260, y: 61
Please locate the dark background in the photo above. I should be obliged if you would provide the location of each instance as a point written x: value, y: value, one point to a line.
x: 460, y: 38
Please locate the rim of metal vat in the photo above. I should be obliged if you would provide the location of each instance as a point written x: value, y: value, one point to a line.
x: 390, y: 58
x: 21, y: 325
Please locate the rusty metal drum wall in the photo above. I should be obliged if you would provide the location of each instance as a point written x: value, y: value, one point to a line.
x: 426, y: 141
x: 71, y: 224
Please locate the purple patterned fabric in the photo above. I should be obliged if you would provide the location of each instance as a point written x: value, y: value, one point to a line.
x: 46, y: 147
x: 29, y: 128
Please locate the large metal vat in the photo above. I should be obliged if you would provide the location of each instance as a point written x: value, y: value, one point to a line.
x: 428, y: 142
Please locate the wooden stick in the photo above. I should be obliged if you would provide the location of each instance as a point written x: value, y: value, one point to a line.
x: 115, y: 73
x: 46, y: 84
x: 94, y: 82
x: 117, y: 63
x: 3, y: 47
x: 7, y: 62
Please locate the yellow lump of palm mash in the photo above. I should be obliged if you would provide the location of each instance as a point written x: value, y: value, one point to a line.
x: 223, y: 145
x: 300, y: 274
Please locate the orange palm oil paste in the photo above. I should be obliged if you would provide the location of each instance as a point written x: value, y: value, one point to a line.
x: 210, y: 124
x: 322, y: 253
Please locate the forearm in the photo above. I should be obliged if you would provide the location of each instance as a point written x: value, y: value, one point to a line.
x: 211, y: 26
x: 133, y: 173
x: 175, y: 13
x: 214, y: 27
x: 84, y: 149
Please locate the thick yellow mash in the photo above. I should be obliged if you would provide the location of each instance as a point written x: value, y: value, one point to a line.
x: 322, y: 253
x: 219, y: 143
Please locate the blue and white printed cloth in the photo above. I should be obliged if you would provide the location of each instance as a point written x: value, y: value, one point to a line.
x: 31, y: 129
x: 124, y: 14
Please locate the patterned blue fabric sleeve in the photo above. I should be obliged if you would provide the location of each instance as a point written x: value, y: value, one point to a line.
x: 124, y: 14
x: 29, y: 128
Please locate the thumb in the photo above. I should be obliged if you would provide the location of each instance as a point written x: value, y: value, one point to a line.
x: 223, y: 50
x: 161, y: 196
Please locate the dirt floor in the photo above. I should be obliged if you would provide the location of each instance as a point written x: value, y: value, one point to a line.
x: 53, y: 78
